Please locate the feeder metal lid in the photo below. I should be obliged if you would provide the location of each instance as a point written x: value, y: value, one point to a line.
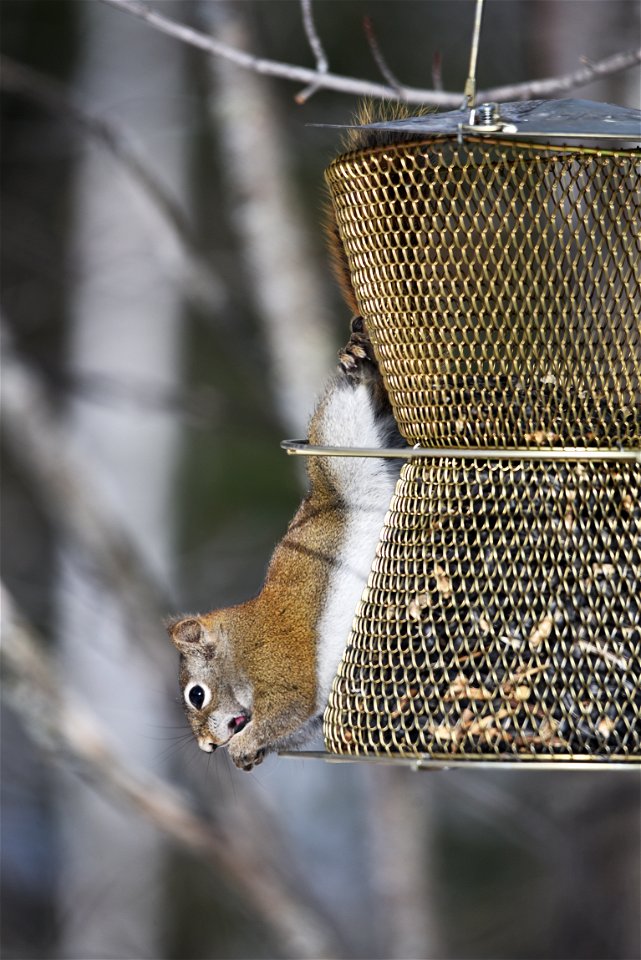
x: 565, y: 119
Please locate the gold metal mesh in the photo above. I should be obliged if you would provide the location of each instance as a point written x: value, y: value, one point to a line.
x: 502, y: 617
x: 500, y: 285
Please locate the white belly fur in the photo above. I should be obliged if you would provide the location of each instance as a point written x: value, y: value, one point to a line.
x: 366, y: 485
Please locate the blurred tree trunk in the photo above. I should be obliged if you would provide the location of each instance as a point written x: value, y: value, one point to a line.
x: 402, y: 832
x: 565, y: 32
x: 124, y: 326
x: 287, y: 288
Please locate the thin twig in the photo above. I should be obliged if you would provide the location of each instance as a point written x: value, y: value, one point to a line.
x: 379, y: 59
x: 316, y: 46
x: 552, y: 86
x: 363, y: 88
x: 322, y: 63
x: 39, y: 695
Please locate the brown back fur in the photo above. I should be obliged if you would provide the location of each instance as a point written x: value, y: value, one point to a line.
x: 357, y: 139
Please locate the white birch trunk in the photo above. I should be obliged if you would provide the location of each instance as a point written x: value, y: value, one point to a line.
x: 124, y: 326
x: 287, y: 288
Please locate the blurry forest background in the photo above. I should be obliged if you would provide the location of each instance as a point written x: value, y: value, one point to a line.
x: 168, y: 317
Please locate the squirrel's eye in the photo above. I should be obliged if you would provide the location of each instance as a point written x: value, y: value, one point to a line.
x: 197, y: 695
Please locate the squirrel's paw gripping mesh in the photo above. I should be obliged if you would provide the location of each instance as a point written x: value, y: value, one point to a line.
x: 500, y: 287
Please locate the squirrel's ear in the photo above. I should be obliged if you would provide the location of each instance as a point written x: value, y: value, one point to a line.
x: 185, y: 634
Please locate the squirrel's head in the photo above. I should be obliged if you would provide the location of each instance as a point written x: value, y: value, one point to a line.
x: 216, y: 701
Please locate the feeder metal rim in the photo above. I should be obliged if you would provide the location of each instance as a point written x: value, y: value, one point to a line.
x: 507, y: 132
x: 554, y: 120
x: 499, y: 763
x: 306, y: 449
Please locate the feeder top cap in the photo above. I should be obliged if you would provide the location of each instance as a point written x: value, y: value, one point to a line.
x: 563, y: 119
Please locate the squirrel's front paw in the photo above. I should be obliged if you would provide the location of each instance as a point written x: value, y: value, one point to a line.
x: 244, y: 750
x: 357, y: 359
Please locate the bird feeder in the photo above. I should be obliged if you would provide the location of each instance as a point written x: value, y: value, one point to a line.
x: 495, y: 256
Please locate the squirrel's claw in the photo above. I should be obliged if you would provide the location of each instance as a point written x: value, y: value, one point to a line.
x: 247, y: 762
x: 244, y: 750
x: 356, y: 359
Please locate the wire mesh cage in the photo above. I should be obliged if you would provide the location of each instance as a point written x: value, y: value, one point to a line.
x: 500, y: 285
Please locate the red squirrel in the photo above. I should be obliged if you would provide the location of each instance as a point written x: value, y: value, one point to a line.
x: 256, y: 677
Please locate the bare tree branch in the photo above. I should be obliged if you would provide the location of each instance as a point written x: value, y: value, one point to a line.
x: 316, y: 46
x: 363, y: 88
x: 322, y: 64
x: 18, y: 78
x: 38, y: 694
x: 552, y: 86
x: 380, y: 60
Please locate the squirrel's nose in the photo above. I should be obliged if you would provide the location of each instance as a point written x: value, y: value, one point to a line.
x: 207, y: 744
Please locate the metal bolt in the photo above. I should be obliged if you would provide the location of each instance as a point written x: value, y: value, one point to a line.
x: 487, y: 114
